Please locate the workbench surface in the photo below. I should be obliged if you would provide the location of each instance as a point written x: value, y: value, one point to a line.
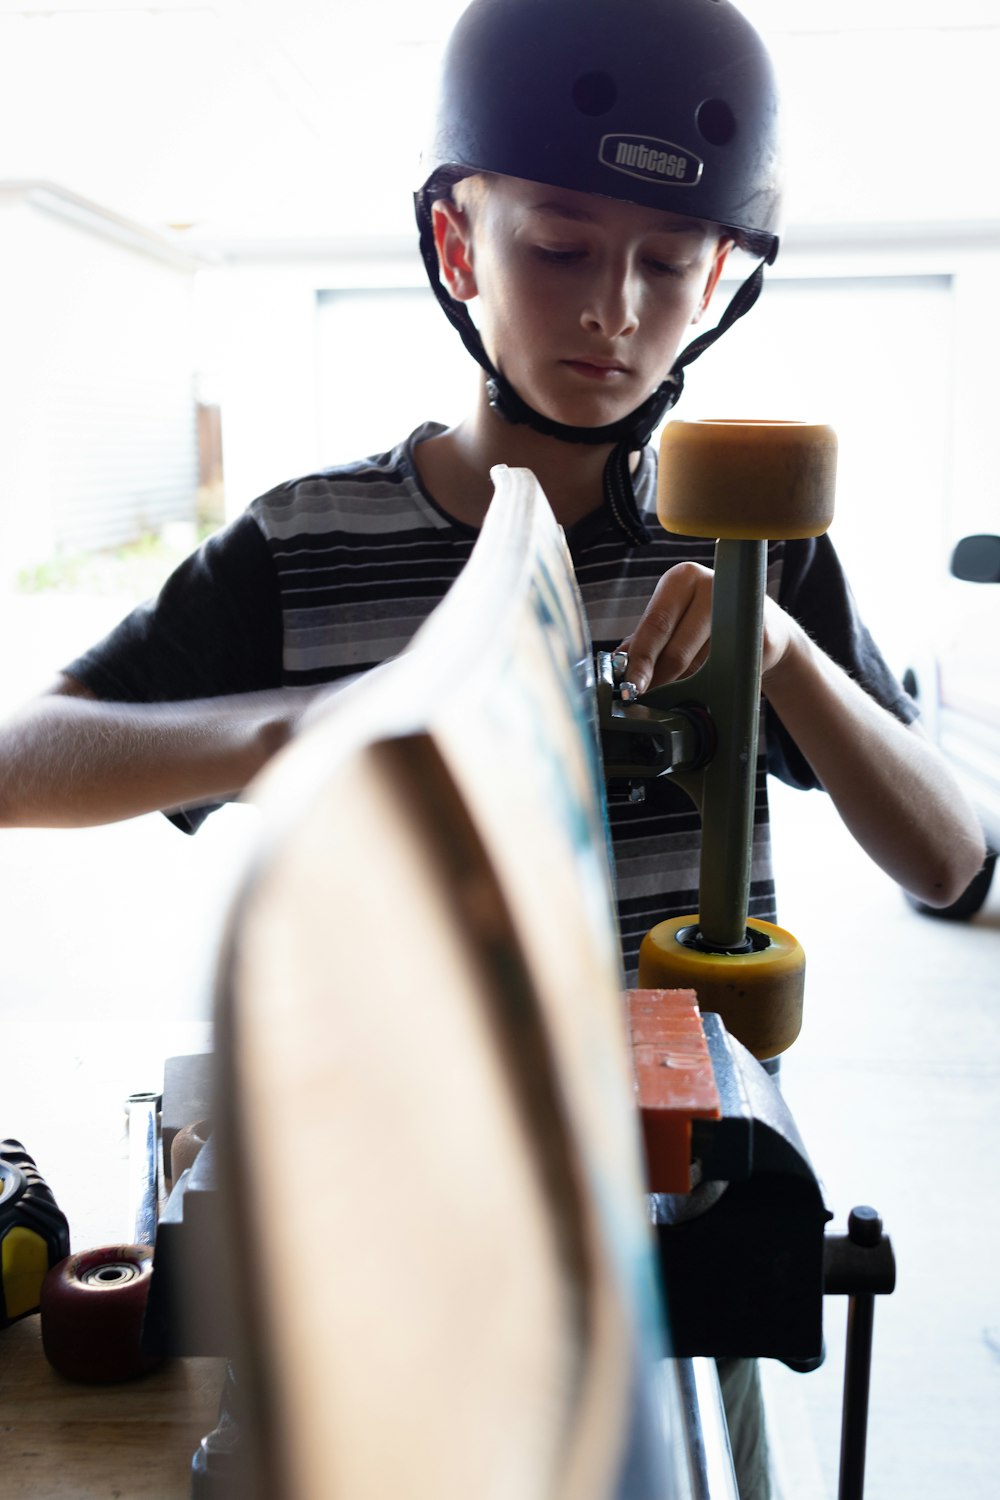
x: 133, y: 1441
x: 62, y: 1441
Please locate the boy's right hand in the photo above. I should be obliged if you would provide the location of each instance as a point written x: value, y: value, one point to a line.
x: 68, y: 759
x: 673, y: 635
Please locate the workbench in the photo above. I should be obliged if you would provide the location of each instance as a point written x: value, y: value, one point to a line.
x: 63, y: 1098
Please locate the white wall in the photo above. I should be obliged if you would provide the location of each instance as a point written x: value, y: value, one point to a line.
x: 96, y: 378
x: 266, y: 354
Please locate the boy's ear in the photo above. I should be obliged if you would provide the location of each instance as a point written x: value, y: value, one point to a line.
x: 453, y: 239
x: 715, y: 271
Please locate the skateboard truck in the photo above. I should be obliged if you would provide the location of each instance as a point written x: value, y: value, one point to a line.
x: 703, y: 731
x: 743, y: 483
x: 642, y: 738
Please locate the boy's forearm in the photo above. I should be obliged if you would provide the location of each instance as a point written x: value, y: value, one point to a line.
x: 891, y: 787
x: 70, y: 761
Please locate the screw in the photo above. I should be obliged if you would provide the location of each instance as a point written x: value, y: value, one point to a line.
x: 864, y: 1227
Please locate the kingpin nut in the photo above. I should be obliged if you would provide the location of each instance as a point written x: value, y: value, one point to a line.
x: 624, y: 690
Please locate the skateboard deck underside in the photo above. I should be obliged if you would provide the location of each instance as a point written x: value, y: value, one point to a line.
x: 427, y: 1129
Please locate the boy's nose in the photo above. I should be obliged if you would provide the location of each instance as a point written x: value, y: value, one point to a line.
x: 611, y: 308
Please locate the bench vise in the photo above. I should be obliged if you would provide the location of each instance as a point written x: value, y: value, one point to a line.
x: 739, y: 1214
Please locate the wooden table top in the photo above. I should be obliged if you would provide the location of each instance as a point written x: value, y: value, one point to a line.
x: 133, y: 1441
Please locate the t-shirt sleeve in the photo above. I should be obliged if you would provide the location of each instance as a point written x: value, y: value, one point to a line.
x: 815, y: 591
x: 214, y: 629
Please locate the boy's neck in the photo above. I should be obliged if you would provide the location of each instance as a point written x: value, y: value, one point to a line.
x: 455, y: 467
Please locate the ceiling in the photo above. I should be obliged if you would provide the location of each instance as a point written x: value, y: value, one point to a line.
x: 236, y: 121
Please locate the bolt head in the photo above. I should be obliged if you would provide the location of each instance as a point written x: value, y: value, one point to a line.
x: 864, y: 1226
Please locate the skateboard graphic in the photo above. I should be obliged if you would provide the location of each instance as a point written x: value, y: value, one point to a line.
x: 466, y: 1223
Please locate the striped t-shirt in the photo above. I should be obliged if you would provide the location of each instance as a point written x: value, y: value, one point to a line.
x: 328, y: 575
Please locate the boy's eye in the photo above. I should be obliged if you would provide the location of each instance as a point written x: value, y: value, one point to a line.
x: 662, y: 267
x: 558, y: 257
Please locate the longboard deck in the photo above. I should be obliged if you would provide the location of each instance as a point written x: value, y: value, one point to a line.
x: 427, y: 1130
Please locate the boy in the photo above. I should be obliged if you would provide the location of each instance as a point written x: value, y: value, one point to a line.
x: 591, y: 166
x: 590, y: 169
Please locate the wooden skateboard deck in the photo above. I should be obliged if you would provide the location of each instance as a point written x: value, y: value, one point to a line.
x: 426, y: 1121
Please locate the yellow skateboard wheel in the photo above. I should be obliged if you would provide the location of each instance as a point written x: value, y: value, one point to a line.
x: 747, y: 481
x: 758, y: 995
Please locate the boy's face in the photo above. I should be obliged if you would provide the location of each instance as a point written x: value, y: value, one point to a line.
x: 584, y: 300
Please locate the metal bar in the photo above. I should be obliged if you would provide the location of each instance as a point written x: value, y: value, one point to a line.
x: 730, y: 778
x: 706, y: 1436
x: 144, y: 1146
x: 857, y: 1382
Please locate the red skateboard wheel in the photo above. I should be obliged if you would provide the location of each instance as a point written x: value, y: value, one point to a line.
x: 92, y: 1307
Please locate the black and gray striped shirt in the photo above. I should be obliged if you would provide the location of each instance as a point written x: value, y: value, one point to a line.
x: 327, y: 575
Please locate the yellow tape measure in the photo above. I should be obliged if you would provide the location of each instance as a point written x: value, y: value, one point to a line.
x: 34, y: 1234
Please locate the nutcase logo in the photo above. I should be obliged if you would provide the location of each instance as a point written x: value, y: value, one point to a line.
x: 651, y: 160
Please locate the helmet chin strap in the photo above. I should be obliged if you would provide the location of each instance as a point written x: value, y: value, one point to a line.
x: 629, y: 433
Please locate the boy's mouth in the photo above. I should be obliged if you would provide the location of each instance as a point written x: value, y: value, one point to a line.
x: 597, y: 369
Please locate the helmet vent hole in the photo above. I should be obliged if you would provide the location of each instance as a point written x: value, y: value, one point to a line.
x: 595, y: 93
x: 716, y: 122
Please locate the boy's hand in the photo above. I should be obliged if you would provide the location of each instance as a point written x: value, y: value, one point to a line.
x: 70, y: 760
x: 875, y: 768
x: 672, y: 638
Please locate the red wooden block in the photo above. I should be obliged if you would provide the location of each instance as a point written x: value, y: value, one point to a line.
x: 674, y: 1081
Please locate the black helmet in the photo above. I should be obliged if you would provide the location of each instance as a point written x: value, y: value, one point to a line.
x: 666, y: 103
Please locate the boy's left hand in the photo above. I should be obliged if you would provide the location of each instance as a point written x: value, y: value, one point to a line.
x: 672, y: 638
x: 875, y: 768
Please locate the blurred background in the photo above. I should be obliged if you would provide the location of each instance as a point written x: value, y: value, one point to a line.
x: 209, y: 283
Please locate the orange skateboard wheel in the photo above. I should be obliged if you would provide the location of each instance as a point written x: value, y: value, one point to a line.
x: 92, y: 1308
x: 746, y: 480
x: 757, y: 994
x: 186, y: 1145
